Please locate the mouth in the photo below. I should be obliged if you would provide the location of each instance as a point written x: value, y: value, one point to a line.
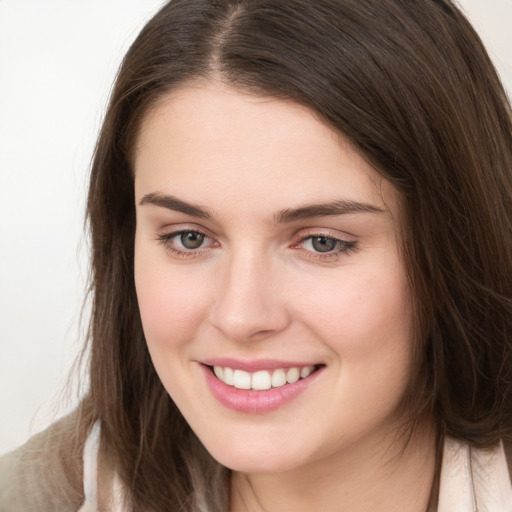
x: 259, y: 387
x: 262, y: 380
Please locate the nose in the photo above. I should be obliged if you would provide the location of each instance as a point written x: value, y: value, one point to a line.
x: 249, y: 303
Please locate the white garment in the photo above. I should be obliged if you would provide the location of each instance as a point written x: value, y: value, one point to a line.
x: 474, y: 480
x: 91, y: 450
x: 471, y: 480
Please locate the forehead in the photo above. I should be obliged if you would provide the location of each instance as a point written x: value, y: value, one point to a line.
x: 212, y: 143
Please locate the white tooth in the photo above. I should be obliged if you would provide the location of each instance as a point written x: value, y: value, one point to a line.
x: 278, y: 378
x: 306, y: 371
x: 242, y: 380
x: 228, y: 376
x: 261, y: 380
x: 219, y: 372
x: 292, y: 375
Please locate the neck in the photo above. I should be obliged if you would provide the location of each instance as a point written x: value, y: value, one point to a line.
x: 370, y: 478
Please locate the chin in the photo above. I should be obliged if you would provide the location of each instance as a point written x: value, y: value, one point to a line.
x: 255, y: 458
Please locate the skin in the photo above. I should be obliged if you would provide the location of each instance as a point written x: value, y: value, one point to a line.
x: 258, y: 288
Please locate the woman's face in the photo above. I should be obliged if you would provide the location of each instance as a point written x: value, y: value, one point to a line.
x: 266, y: 247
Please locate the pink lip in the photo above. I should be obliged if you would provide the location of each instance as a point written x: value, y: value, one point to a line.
x: 255, y: 365
x: 249, y: 401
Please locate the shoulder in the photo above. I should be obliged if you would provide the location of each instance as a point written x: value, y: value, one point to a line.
x: 45, y: 474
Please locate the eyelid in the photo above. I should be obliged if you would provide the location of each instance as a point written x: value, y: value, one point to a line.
x: 346, y: 244
x: 328, y: 233
x: 168, y: 233
x: 181, y: 227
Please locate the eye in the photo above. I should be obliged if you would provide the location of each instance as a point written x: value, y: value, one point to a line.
x: 320, y: 246
x: 322, y: 243
x: 186, y: 243
x: 191, y: 239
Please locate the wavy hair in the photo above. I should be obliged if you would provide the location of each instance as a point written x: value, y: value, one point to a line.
x: 410, y: 84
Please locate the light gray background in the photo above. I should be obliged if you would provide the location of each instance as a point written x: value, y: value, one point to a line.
x: 58, y: 59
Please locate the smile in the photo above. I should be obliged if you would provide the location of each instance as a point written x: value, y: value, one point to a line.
x: 258, y: 387
x: 263, y: 379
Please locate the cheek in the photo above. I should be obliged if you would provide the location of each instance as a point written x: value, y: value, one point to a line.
x: 366, y: 320
x: 368, y: 329
x: 171, y: 304
x: 363, y: 305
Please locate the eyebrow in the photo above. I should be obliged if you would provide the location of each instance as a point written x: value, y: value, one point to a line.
x: 339, y: 207
x: 175, y: 204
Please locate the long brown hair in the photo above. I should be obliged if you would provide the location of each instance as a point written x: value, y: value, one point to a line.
x: 410, y: 84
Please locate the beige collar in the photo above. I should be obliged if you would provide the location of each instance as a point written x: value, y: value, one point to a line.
x: 474, y: 480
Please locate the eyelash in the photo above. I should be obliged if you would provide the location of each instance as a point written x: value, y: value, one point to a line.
x: 166, y: 240
x: 343, y: 247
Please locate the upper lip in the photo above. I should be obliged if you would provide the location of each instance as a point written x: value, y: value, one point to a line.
x: 256, y: 364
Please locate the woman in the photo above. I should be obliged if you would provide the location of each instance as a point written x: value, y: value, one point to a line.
x: 301, y: 225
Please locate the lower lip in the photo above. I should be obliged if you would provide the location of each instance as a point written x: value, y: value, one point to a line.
x: 255, y: 402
